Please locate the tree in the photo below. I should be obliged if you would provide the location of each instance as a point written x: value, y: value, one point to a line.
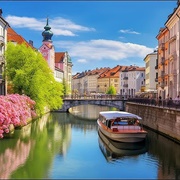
x: 29, y: 74
x: 66, y: 87
x: 111, y: 90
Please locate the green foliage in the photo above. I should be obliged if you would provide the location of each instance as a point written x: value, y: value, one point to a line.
x: 66, y: 88
x: 30, y: 74
x: 111, y: 90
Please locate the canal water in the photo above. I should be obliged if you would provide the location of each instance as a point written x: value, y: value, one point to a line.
x: 68, y: 145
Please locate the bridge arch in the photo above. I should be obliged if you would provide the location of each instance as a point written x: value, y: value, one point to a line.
x: 68, y: 103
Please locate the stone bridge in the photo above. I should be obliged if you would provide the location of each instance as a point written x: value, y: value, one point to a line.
x: 111, y: 102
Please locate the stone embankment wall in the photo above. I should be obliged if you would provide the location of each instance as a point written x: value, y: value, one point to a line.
x: 163, y: 120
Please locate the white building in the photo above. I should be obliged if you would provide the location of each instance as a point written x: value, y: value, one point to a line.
x: 151, y: 76
x: 136, y: 80
x: 132, y: 81
x: 3, y: 41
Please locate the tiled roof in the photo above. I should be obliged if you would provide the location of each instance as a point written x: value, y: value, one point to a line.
x: 12, y: 36
x: 113, y: 73
x: 59, y: 56
x: 136, y: 68
x: 96, y: 71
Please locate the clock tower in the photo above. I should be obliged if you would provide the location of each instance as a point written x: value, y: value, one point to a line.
x: 47, y: 48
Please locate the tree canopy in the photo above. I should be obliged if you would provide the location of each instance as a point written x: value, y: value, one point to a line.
x: 111, y: 90
x: 29, y: 74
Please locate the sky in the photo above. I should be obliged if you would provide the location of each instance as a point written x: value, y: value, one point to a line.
x: 94, y: 33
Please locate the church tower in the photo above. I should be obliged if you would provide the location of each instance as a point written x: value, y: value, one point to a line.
x: 47, y: 48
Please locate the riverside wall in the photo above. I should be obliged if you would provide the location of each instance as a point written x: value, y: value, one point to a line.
x: 163, y: 120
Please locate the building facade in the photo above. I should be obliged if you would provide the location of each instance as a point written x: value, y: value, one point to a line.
x: 3, y: 41
x: 59, y: 62
x: 150, y: 73
x: 169, y: 56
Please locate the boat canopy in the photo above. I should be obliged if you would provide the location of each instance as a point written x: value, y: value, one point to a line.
x: 118, y: 114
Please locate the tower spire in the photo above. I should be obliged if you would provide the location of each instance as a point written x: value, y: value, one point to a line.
x: 47, y: 33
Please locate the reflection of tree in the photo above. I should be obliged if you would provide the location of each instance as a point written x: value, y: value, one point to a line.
x: 12, y: 158
x: 49, y: 137
x: 31, y: 151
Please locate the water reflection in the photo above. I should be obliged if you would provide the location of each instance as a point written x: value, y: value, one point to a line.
x: 113, y: 150
x: 168, y: 154
x: 88, y: 111
x: 60, y: 145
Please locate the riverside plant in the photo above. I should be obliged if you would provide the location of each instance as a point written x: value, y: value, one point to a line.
x: 15, y: 110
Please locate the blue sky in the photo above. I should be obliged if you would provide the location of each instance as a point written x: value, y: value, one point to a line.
x: 95, y: 33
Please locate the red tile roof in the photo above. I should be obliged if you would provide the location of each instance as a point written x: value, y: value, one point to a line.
x: 12, y: 36
x: 59, y: 56
x: 113, y: 73
x: 136, y: 68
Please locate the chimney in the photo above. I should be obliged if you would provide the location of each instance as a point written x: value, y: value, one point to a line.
x: 31, y: 42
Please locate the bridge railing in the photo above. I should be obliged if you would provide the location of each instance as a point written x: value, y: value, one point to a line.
x: 102, y: 96
x: 168, y: 103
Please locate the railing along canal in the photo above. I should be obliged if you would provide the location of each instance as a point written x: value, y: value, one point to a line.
x: 167, y: 103
x: 98, y: 97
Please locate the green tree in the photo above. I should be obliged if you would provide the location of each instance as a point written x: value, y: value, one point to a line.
x: 111, y: 90
x: 66, y: 87
x: 29, y: 74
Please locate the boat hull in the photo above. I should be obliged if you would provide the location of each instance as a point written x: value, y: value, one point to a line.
x: 123, y: 136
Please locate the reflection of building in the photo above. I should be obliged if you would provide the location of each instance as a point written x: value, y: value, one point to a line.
x: 3, y: 40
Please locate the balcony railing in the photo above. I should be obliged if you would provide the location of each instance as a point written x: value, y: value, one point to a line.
x: 162, y: 84
x: 172, y: 38
x: 162, y: 60
x: 125, y: 85
x: 162, y: 46
x: 162, y: 73
x: 156, y: 67
x: 125, y: 78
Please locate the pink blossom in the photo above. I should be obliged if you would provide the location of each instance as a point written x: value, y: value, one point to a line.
x: 15, y: 109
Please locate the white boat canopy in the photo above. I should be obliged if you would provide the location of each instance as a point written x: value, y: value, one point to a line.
x: 118, y: 114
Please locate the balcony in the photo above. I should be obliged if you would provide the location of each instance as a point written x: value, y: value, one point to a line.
x: 172, y: 56
x: 162, y: 84
x: 162, y: 46
x: 2, y: 42
x: 125, y: 78
x: 125, y: 85
x: 173, y: 38
x: 162, y: 60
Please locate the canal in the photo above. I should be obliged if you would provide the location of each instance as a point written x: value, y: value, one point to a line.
x: 67, y: 145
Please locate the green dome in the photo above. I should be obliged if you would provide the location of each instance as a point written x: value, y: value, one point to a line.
x: 47, y: 34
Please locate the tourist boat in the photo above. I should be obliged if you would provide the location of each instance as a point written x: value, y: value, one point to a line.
x: 115, y: 150
x: 121, y: 126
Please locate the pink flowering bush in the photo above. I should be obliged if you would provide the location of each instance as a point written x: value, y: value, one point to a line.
x: 15, y: 109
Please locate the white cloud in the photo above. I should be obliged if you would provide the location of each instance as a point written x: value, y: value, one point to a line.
x: 82, y: 60
x: 59, y: 25
x: 104, y: 49
x: 128, y: 31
